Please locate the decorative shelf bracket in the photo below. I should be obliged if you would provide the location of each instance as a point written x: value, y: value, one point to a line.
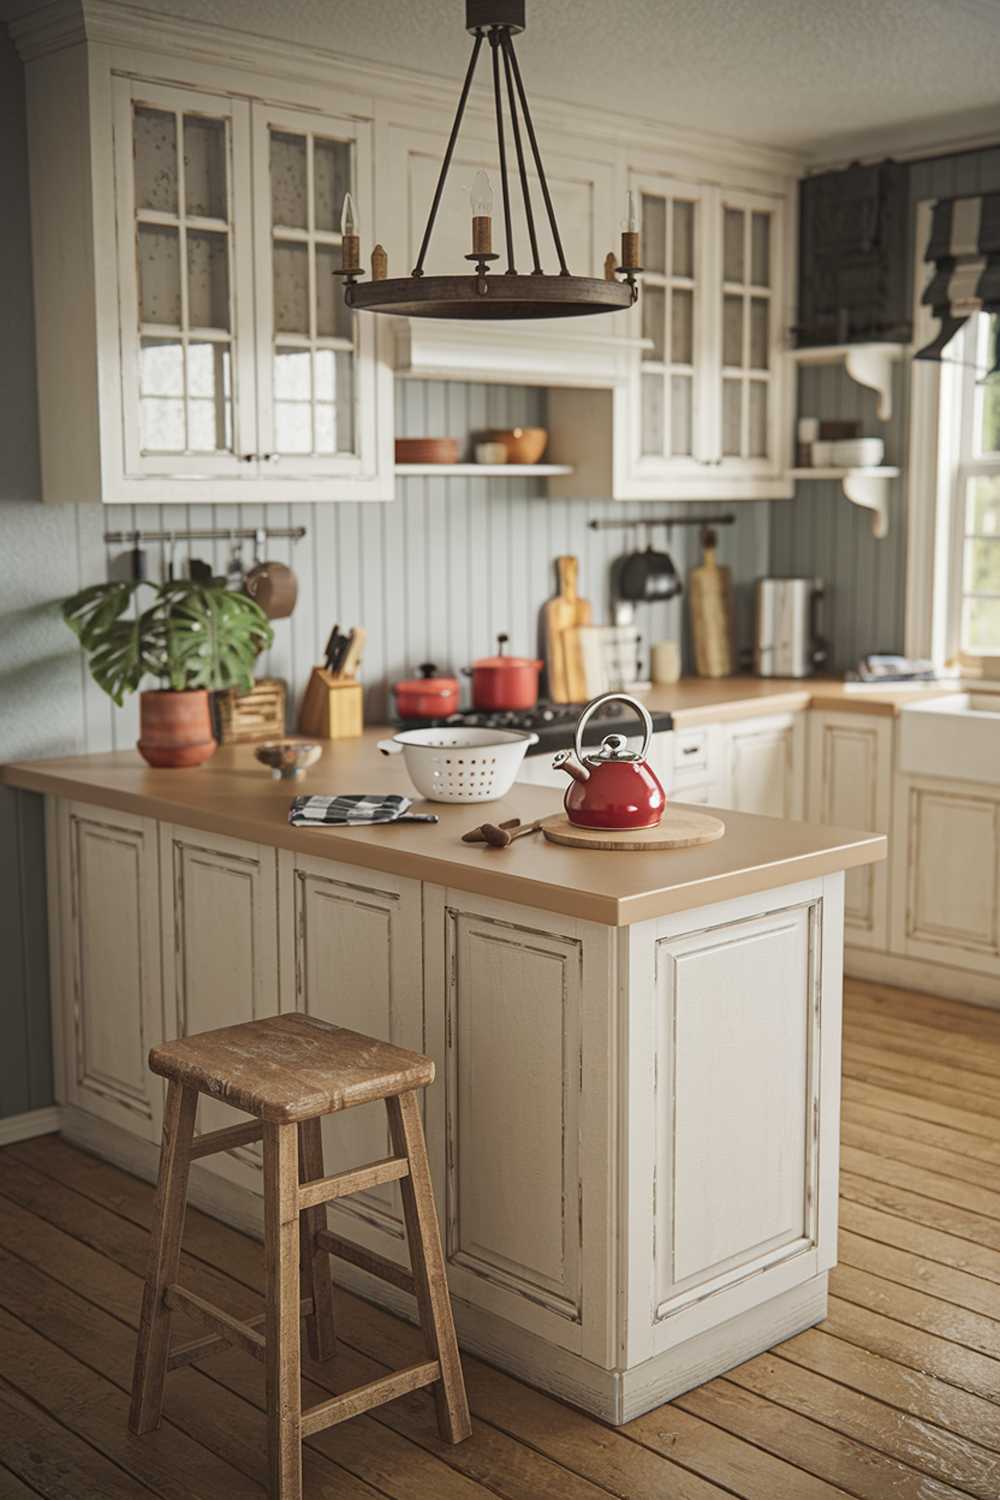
x: 869, y: 365
x: 871, y: 491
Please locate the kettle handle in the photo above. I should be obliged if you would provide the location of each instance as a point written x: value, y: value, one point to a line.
x: 596, y: 703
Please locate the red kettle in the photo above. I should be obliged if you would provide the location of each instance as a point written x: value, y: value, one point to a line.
x: 614, y: 787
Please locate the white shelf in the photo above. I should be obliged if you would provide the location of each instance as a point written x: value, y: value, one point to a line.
x: 486, y: 471
x: 870, y: 471
x: 867, y: 364
x: 867, y: 487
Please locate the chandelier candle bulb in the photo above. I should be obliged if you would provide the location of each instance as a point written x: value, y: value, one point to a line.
x: 630, y: 233
x: 350, y: 253
x: 481, y: 198
x: 380, y: 264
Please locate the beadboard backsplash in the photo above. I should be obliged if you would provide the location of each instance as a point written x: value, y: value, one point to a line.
x: 433, y: 576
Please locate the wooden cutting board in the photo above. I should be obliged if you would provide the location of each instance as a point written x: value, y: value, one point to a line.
x: 566, y: 610
x: 678, y: 829
x: 710, y: 592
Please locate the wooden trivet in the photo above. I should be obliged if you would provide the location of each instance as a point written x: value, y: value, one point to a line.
x: 678, y: 829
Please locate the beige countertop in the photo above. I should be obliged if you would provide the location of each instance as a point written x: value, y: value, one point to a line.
x: 233, y: 795
x: 705, y: 700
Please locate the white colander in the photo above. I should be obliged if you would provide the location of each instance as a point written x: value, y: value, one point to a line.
x: 460, y: 765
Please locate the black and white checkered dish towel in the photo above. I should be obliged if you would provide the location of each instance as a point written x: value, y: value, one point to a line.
x: 357, y: 808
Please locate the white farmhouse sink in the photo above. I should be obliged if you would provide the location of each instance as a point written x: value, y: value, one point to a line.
x: 955, y: 736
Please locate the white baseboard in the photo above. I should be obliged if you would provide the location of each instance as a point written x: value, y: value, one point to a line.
x: 918, y: 974
x: 33, y: 1122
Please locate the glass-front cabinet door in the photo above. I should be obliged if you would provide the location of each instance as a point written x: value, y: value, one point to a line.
x: 315, y: 358
x: 185, y: 282
x: 668, y: 417
x: 747, y: 389
x: 706, y: 403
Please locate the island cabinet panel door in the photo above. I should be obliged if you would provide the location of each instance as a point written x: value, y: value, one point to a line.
x: 734, y: 1118
x: 946, y: 902
x: 766, y: 766
x: 850, y: 786
x: 351, y: 950
x: 110, y: 964
x: 220, y: 964
x: 525, y: 1124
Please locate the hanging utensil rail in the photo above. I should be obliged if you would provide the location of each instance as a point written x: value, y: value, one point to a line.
x: 668, y: 521
x: 209, y: 534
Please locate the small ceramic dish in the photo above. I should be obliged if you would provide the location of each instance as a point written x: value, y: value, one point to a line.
x: 288, y: 759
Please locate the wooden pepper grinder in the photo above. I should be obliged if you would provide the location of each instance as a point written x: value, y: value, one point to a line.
x: 710, y: 591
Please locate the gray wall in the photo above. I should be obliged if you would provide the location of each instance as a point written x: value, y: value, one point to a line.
x: 435, y: 575
x: 820, y: 533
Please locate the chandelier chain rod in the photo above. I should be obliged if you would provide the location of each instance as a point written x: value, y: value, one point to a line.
x: 495, y: 35
x: 508, y: 47
x: 525, y: 189
x: 418, y: 269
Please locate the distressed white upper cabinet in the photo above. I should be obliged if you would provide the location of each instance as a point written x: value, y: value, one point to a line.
x: 766, y: 765
x: 351, y: 954
x: 110, y: 965
x: 708, y: 409
x: 219, y: 914
x: 850, y: 786
x: 193, y: 345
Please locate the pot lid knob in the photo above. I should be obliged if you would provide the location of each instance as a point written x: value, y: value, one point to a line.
x: 427, y: 669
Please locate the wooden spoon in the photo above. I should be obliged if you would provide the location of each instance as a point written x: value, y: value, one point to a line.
x: 477, y: 836
x: 499, y: 838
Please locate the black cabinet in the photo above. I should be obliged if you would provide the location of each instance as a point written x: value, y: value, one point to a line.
x: 854, y: 273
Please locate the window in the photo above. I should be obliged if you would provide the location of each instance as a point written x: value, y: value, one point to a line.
x: 971, y: 407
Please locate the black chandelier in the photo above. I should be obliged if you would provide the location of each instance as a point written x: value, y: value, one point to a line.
x: 537, y: 294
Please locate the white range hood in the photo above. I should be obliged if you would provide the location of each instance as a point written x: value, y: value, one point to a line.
x: 548, y: 351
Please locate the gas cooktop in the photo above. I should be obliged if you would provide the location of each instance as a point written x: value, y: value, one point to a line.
x: 554, y: 723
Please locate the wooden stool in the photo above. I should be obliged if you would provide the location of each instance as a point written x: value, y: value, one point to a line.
x: 289, y: 1071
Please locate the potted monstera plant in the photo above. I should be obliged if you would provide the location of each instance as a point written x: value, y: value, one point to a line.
x: 193, y: 638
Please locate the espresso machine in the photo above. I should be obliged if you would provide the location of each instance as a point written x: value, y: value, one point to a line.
x: 787, y: 642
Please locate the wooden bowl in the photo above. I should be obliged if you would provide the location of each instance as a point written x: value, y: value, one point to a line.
x: 288, y: 759
x: 427, y: 450
x: 525, y: 445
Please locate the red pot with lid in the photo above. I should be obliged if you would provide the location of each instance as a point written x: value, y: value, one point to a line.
x: 427, y: 696
x: 504, y: 682
x: 614, y: 787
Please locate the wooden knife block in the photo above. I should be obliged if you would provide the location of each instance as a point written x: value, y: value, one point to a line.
x: 332, y: 707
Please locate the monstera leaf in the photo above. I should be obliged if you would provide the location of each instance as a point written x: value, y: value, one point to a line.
x: 193, y: 635
x: 208, y: 636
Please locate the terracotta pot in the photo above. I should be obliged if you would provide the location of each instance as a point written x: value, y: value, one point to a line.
x: 175, y: 729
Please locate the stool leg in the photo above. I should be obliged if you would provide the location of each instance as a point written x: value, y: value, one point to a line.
x: 427, y: 1258
x: 164, y: 1258
x: 314, y: 1264
x: 281, y: 1256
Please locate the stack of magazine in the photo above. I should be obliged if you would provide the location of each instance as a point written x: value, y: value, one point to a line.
x: 884, y: 671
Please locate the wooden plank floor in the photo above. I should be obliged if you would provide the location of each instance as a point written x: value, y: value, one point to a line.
x: 895, y: 1397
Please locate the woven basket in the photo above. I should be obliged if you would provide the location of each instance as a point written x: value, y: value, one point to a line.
x: 257, y: 715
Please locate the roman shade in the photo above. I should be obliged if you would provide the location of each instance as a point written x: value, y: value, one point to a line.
x: 964, y: 248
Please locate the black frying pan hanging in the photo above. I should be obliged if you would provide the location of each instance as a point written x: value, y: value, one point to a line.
x: 648, y: 578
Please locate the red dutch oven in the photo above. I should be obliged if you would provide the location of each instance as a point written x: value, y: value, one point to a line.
x: 504, y: 682
x: 614, y: 787
x: 427, y: 696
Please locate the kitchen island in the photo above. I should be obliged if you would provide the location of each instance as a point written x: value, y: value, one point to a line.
x: 634, y: 1126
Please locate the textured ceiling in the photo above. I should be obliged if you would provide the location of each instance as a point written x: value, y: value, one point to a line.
x: 807, y: 74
